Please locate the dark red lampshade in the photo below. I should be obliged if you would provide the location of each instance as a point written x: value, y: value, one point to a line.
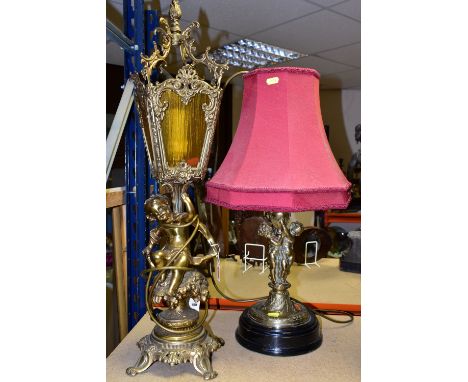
x: 280, y: 159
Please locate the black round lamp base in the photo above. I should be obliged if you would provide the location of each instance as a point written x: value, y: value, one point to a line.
x: 283, y: 341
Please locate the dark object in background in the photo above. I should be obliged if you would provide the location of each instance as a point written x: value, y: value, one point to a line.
x: 354, y: 173
x: 351, y: 260
x: 232, y: 238
x: 310, y: 234
x: 248, y: 234
x: 340, y: 241
x: 319, y: 219
x: 327, y: 131
x: 239, y: 217
x: 109, y: 251
x: 341, y: 163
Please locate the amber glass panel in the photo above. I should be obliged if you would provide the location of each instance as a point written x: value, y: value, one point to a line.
x: 183, y: 128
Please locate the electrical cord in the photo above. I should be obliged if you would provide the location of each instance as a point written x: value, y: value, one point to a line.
x: 149, y: 290
x: 324, y: 313
x: 153, y: 317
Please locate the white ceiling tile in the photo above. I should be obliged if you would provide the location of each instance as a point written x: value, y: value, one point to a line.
x: 320, y: 31
x: 348, y: 55
x: 344, y: 80
x: 325, y: 3
x: 309, y: 31
x: 164, y: 4
x: 245, y: 17
x: 321, y: 65
x: 147, y: 4
x: 351, y: 8
x: 209, y: 37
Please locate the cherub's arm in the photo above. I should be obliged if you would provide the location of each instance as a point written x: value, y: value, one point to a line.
x: 286, y: 231
x: 190, y: 209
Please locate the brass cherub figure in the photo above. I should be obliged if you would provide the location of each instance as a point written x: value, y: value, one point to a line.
x: 281, y: 234
x: 175, y: 252
x: 179, y: 335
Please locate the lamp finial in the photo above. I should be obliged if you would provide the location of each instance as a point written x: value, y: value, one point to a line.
x: 175, y: 13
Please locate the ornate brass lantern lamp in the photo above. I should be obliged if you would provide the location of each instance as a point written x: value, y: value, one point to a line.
x: 178, y: 118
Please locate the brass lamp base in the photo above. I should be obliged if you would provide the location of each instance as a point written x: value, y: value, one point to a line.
x: 179, y: 336
x: 298, y: 332
x: 197, y: 350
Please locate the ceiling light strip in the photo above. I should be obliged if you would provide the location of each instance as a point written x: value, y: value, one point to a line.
x: 251, y: 54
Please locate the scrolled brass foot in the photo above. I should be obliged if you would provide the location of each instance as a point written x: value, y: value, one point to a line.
x: 202, y: 362
x: 207, y: 376
x: 143, y: 363
x: 198, y: 352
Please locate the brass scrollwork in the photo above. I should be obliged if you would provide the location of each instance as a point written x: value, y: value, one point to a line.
x: 152, y: 61
x: 170, y: 35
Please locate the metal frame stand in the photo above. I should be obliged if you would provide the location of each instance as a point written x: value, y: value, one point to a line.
x: 315, y: 255
x: 247, y: 257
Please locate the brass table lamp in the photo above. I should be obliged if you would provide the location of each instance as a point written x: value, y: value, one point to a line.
x: 279, y: 162
x: 178, y: 117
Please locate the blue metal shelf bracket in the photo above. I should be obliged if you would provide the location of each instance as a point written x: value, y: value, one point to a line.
x: 136, y: 164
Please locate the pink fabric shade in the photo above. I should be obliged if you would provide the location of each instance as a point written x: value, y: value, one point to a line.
x: 280, y: 159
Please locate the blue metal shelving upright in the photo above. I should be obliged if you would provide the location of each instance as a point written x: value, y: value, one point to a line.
x: 137, y: 174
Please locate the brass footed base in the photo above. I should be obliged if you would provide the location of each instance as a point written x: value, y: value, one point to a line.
x: 196, y: 349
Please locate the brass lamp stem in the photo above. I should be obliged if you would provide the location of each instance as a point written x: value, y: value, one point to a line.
x: 281, y: 234
x: 176, y: 198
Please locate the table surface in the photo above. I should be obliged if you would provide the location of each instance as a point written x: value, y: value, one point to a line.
x: 338, y: 359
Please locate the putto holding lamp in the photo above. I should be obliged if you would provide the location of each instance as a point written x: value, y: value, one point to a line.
x: 178, y: 117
